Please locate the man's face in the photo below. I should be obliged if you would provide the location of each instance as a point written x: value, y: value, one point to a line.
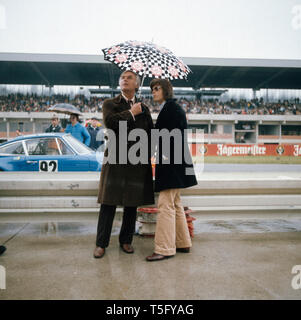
x: 54, y: 122
x: 157, y: 93
x: 94, y: 123
x: 128, y: 82
x: 73, y: 119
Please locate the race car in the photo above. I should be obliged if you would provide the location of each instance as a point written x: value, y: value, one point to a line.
x: 48, y: 152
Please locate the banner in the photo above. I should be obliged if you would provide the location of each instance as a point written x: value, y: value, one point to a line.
x: 230, y: 150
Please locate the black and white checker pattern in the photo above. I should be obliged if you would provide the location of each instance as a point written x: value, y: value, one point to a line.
x: 147, y: 58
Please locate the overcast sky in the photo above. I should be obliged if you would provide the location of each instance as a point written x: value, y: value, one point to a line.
x: 190, y: 28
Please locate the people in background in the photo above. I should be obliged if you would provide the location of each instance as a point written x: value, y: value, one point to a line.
x: 54, y: 127
x: 35, y: 103
x: 77, y: 130
x: 96, y: 133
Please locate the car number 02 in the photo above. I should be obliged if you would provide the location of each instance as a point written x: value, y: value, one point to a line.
x: 48, y: 166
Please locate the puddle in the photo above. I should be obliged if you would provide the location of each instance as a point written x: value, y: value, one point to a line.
x: 247, y: 226
x: 200, y: 226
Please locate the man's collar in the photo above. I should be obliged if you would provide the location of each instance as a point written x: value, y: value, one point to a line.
x: 162, y: 105
x: 126, y: 99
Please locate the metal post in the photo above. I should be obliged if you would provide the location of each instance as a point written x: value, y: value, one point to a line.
x: 7, y: 129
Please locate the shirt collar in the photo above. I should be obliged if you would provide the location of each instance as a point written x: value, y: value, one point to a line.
x: 162, y: 105
x: 126, y: 99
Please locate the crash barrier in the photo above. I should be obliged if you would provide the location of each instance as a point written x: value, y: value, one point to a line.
x: 71, y: 196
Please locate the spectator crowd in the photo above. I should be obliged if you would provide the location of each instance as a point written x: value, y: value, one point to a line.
x: 35, y: 103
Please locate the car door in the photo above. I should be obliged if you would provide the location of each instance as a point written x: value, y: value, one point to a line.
x: 70, y: 160
x: 42, y: 155
x: 13, y: 157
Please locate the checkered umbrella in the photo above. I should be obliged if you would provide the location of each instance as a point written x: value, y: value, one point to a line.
x: 147, y: 59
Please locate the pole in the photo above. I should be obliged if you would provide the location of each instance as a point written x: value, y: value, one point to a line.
x: 144, y: 74
x: 140, y: 89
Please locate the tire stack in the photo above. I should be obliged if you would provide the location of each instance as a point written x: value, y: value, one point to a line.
x: 147, y: 219
x: 189, y: 220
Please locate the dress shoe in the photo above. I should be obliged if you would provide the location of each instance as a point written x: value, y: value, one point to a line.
x: 157, y: 257
x: 99, y: 252
x: 127, y: 248
x: 184, y: 250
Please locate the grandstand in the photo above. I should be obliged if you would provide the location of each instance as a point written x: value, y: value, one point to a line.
x: 245, y: 121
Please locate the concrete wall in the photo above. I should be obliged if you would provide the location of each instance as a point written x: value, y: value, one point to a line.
x: 73, y: 195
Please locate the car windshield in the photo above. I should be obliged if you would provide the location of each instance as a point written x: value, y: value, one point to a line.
x: 79, y: 147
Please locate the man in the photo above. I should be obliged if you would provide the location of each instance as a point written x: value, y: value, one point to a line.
x: 172, y: 234
x: 77, y: 130
x: 54, y: 127
x: 95, y: 133
x: 126, y: 185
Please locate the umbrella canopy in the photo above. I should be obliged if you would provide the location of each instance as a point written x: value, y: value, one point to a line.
x: 64, y: 108
x: 147, y: 59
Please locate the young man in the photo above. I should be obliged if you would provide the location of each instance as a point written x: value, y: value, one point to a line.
x: 95, y: 133
x: 77, y: 130
x: 128, y: 185
x: 54, y: 127
x: 172, y: 234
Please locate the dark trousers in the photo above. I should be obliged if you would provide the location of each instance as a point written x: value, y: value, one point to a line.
x: 105, y: 223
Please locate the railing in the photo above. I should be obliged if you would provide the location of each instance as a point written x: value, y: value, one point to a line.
x: 72, y: 196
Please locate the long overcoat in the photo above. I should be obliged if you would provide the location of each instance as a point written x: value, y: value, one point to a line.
x: 125, y: 184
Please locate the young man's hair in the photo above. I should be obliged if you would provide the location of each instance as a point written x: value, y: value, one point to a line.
x: 165, y: 85
x: 75, y: 115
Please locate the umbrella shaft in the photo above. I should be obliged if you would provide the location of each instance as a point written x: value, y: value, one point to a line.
x: 144, y: 74
x: 140, y: 89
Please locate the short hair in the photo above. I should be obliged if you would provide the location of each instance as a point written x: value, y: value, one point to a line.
x: 138, y: 81
x: 165, y: 85
x: 76, y: 115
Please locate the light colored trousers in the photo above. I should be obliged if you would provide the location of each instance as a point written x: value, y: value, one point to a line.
x: 171, y: 228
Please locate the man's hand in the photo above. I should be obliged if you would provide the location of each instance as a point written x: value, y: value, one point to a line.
x: 136, y: 108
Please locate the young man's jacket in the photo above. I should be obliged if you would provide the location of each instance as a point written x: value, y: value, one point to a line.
x: 94, y: 133
x: 79, y: 132
x: 53, y: 129
x: 171, y: 172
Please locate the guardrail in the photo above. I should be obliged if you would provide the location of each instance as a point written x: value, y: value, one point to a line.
x: 72, y: 196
